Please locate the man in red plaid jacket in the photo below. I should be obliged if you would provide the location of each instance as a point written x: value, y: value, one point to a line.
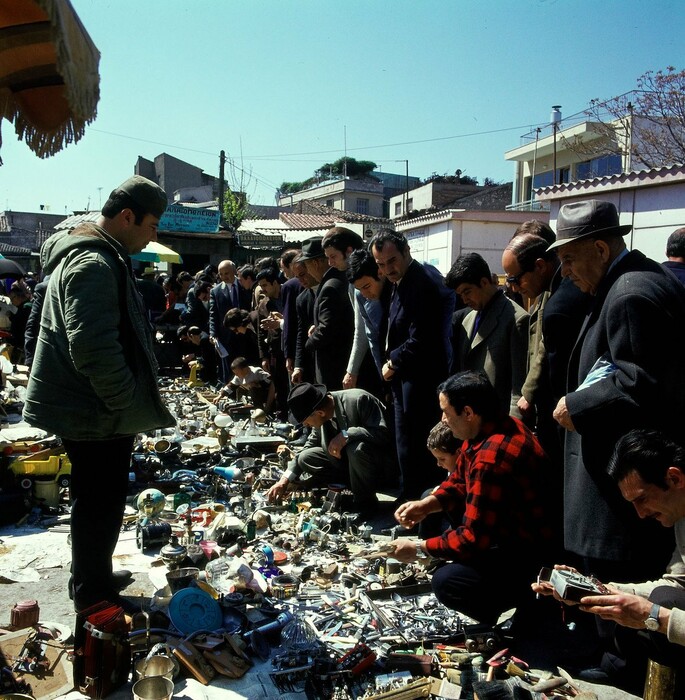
x: 500, y: 494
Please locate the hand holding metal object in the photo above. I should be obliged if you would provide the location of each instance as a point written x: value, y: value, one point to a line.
x: 379, y: 551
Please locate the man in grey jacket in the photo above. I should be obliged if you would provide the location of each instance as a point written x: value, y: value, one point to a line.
x: 349, y: 442
x: 93, y: 381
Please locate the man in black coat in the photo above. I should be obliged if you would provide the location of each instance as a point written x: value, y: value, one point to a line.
x: 303, y: 370
x: 625, y: 371
x: 197, y: 306
x: 330, y: 337
x: 416, y: 357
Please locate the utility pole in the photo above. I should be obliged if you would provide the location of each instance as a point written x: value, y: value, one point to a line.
x: 556, y: 119
x: 222, y: 161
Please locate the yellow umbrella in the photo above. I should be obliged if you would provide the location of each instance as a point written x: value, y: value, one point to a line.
x: 156, y: 252
x: 49, y: 80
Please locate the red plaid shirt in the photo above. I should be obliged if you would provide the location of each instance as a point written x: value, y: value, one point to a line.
x: 500, y: 489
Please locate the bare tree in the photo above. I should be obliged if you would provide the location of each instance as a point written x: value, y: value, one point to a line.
x: 236, y: 199
x: 646, y: 124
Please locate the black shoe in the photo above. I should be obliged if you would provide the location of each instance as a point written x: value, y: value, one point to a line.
x: 593, y: 675
x: 120, y: 579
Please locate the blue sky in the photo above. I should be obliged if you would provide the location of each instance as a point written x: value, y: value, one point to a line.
x: 282, y: 86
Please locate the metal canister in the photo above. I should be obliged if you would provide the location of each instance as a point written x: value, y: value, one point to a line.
x: 25, y: 613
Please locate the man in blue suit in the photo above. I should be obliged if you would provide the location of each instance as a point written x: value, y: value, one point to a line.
x: 416, y: 356
x: 226, y: 294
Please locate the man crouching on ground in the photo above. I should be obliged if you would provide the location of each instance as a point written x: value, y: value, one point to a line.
x: 498, y: 493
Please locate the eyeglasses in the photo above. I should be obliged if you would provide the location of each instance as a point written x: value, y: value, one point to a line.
x: 515, y: 279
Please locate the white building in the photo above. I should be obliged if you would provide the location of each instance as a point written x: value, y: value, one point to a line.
x: 441, y: 237
x: 652, y: 201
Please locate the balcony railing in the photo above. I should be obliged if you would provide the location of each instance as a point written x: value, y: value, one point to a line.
x: 528, y: 205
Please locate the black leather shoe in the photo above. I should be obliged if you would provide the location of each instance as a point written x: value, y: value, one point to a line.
x: 120, y: 579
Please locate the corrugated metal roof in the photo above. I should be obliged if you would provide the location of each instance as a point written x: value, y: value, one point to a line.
x: 9, y: 249
x: 75, y: 220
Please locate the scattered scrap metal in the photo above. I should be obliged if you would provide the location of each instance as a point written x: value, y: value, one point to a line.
x: 303, y: 584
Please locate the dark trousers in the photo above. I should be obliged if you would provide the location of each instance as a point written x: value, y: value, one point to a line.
x: 416, y: 411
x: 637, y: 646
x: 487, y: 587
x: 361, y: 468
x: 99, y: 485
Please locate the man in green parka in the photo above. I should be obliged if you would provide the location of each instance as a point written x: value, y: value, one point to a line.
x: 93, y: 381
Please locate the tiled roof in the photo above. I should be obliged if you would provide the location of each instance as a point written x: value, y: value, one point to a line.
x: 307, y: 221
x: 662, y: 175
x: 309, y: 206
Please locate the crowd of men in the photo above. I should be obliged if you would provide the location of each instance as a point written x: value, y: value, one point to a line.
x: 561, y: 420
x: 364, y: 346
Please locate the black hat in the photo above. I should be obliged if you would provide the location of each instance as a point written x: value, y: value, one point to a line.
x: 145, y: 193
x: 592, y: 217
x: 311, y: 249
x: 305, y: 398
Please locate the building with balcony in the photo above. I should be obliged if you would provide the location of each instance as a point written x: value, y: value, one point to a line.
x: 582, y: 151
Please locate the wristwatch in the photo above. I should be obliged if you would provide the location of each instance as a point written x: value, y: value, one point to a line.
x: 345, y: 434
x: 652, y: 621
x: 420, y: 554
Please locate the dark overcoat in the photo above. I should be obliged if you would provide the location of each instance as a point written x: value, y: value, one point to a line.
x: 637, y: 323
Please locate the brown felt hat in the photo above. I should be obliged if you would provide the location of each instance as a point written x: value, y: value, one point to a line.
x: 592, y: 217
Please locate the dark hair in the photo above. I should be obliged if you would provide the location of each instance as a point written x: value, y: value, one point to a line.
x: 387, y: 235
x: 270, y: 274
x: 341, y: 239
x: 647, y: 452
x: 240, y: 363
x: 360, y: 263
x: 266, y: 263
x: 287, y: 256
x: 236, y: 318
x: 181, y: 331
x: 247, y: 272
x: 472, y: 389
x: 184, y: 277
x: 441, y: 438
x: 675, y: 246
x: 470, y: 268
x: 202, y: 287
x: 194, y: 330
x: 174, y: 286
x: 527, y: 248
x: 118, y: 201
x: 537, y: 228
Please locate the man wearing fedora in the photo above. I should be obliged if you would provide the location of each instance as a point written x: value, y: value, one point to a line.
x: 349, y: 443
x: 93, y: 380
x: 625, y: 372
x: 330, y: 337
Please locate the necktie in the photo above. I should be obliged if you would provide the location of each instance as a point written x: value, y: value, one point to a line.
x: 476, y: 325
